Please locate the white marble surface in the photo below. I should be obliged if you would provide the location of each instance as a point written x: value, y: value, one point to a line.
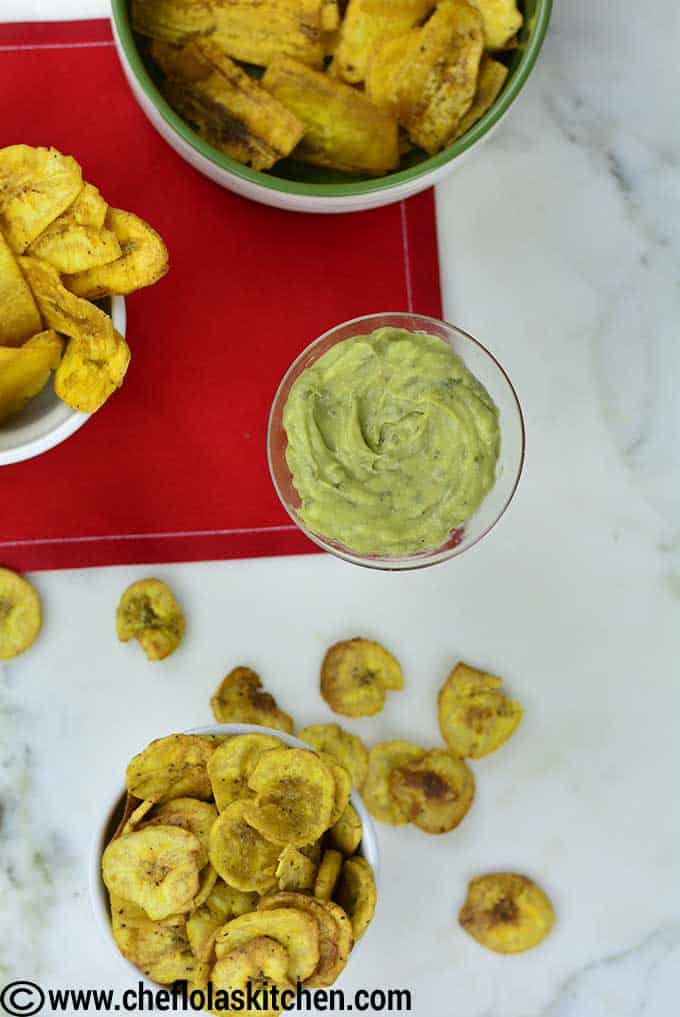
x: 560, y: 247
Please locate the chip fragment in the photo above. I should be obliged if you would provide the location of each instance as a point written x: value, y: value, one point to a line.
x: 297, y: 932
x: 348, y: 749
x: 492, y: 76
x: 343, y: 785
x: 149, y: 613
x: 475, y: 717
x: 25, y: 370
x: 232, y: 763
x: 356, y: 894
x: 369, y: 22
x: 171, y: 767
x: 355, y: 674
x: 345, y: 835
x: 240, y: 699
x: 435, y: 792
x: 241, y: 855
x: 506, y: 913
x: 36, y: 185
x: 501, y: 20
x: 172, y: 20
x: 294, y: 870
x: 294, y: 796
x: 382, y: 760
x: 20, y: 318
x: 143, y: 260
x: 20, y: 614
x: 328, y: 874
x: 335, y: 932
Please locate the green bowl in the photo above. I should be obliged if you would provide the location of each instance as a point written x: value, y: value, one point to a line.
x: 293, y: 185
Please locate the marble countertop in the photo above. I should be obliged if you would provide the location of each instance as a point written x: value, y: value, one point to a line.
x: 560, y: 246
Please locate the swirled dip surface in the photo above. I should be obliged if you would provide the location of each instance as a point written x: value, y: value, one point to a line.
x: 392, y: 442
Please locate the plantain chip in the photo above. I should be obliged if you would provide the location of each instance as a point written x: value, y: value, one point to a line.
x: 232, y: 763
x: 342, y: 129
x: 330, y: 15
x: 492, y: 77
x: 149, y: 613
x: 172, y: 767
x: 382, y: 760
x: 348, y: 749
x: 294, y: 800
x: 356, y: 894
x: 506, y: 913
x: 312, y: 851
x: 335, y: 932
x: 189, y: 814
x: 240, y: 854
x: 355, y: 674
x: 20, y: 614
x: 294, y: 871
x: 156, y: 868
x: 434, y: 792
x: 384, y: 72
x: 297, y: 932
x: 475, y: 717
x: 172, y: 20
x: 73, y: 247
x: 85, y: 380
x: 89, y: 208
x: 240, y: 700
x: 135, y: 812
x: 343, y: 785
x: 345, y: 834
x: 256, y: 967
x: 328, y: 874
x: 501, y: 21
x: 161, y: 949
x: 368, y: 23
x: 222, y: 904
x: 258, y: 33
x: 36, y: 185
x: 25, y: 370
x: 142, y: 261
x: 20, y: 318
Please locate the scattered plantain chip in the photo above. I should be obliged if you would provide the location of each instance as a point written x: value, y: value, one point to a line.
x: 368, y: 22
x: 20, y: 318
x: 143, y: 260
x: 294, y: 870
x: 240, y: 854
x: 328, y: 874
x: 36, y: 185
x: 172, y: 767
x: 475, y: 717
x: 342, y: 129
x: 501, y: 21
x: 294, y: 796
x: 232, y: 763
x: 25, y: 370
x: 382, y: 760
x: 492, y: 77
x: 149, y: 613
x: 297, y: 932
x: 156, y: 868
x: 20, y: 614
x: 434, y: 792
x: 335, y: 932
x: 506, y: 913
x: 260, y: 964
x: 240, y: 699
x: 160, y: 949
x: 345, y: 834
x: 356, y: 894
x: 348, y: 749
x: 355, y: 674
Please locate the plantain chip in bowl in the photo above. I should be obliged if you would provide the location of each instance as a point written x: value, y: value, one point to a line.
x: 434, y: 792
x: 382, y: 760
x: 368, y: 23
x: 256, y: 967
x: 297, y: 931
x: 501, y: 20
x: 335, y: 932
x: 356, y: 894
x: 148, y: 611
x: 506, y: 913
x: 232, y: 763
x: 348, y: 749
x: 223, y: 903
x: 294, y: 796
x: 355, y: 674
x: 475, y: 717
x: 25, y: 370
x: 328, y: 874
x: 143, y: 260
x: 36, y: 185
x: 160, y: 949
x: 172, y: 767
x: 240, y: 699
x: 20, y: 318
x: 241, y: 855
x: 343, y: 785
x: 190, y: 814
x: 20, y: 614
x: 294, y: 871
x: 345, y: 834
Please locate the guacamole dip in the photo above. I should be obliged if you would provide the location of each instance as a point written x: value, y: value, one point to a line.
x: 392, y: 443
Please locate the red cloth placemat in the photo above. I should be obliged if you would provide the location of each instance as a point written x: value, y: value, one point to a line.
x: 174, y: 467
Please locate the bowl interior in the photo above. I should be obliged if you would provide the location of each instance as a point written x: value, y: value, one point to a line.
x: 293, y: 177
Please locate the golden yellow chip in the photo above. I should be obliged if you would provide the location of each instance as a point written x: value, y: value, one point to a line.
x: 258, y: 33
x: 241, y: 700
x: 240, y: 854
x: 206, y: 882
x: 160, y: 949
x: 312, y: 851
x: 294, y: 799
x: 330, y: 15
x: 382, y: 760
x: 369, y: 22
x: 355, y: 674
x: 223, y: 903
x: 149, y: 613
x: 335, y: 932
x: 172, y: 20
x: 133, y: 816
x: 492, y: 77
x: 506, y: 913
x: 25, y: 370
x: 356, y: 894
x: 387, y: 63
x: 232, y: 763
x: 172, y: 767
x: 89, y: 208
x: 142, y: 261
x: 84, y: 380
x: 343, y: 785
x: 294, y: 870
x: 348, y: 749
x: 36, y: 185
x: 190, y: 814
x: 256, y: 967
x: 20, y: 318
x: 475, y: 717
x: 72, y: 247
x: 328, y: 874
x: 434, y: 792
x: 156, y: 868
x: 501, y: 21
x: 345, y: 835
x: 20, y: 614
x: 297, y: 932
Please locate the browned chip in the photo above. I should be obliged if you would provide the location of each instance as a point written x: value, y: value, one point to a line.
x: 382, y: 760
x: 355, y: 674
x: 240, y: 699
x: 348, y: 749
x: 356, y: 894
x: 506, y: 913
x: 335, y: 932
x: 434, y: 792
x: 475, y: 717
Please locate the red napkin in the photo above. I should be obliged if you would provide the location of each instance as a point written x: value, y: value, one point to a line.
x: 173, y: 468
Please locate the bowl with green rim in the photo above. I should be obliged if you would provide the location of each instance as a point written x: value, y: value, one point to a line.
x: 297, y: 187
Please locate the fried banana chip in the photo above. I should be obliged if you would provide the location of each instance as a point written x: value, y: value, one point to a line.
x: 260, y: 964
x: 354, y: 676
x: 222, y: 904
x: 156, y: 868
x: 434, y: 792
x: 492, y: 77
x: 348, y: 749
x: 161, y: 949
x: 20, y: 614
x: 149, y: 613
x: 475, y: 717
x: 295, y: 795
x: 297, y: 932
x: 328, y: 874
x: 172, y: 767
x: 312, y: 851
x: 172, y: 20
x: 84, y: 381
x: 330, y: 15
x: 89, y: 208
x: 20, y: 318
x: 133, y: 815
x: 382, y: 760
x: 232, y: 763
x: 335, y: 932
x: 294, y: 870
x: 356, y: 894
x: 72, y: 247
x: 342, y: 129
x: 506, y: 913
x: 240, y: 700
x: 36, y: 185
x: 343, y: 785
x: 143, y: 260
x: 25, y: 370
x: 345, y: 835
x: 258, y: 33
x: 386, y: 66
x: 368, y: 23
x: 501, y: 21
x: 240, y: 854
x: 189, y: 814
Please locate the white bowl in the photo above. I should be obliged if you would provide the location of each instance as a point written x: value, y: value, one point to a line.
x: 46, y: 421
x: 98, y: 893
